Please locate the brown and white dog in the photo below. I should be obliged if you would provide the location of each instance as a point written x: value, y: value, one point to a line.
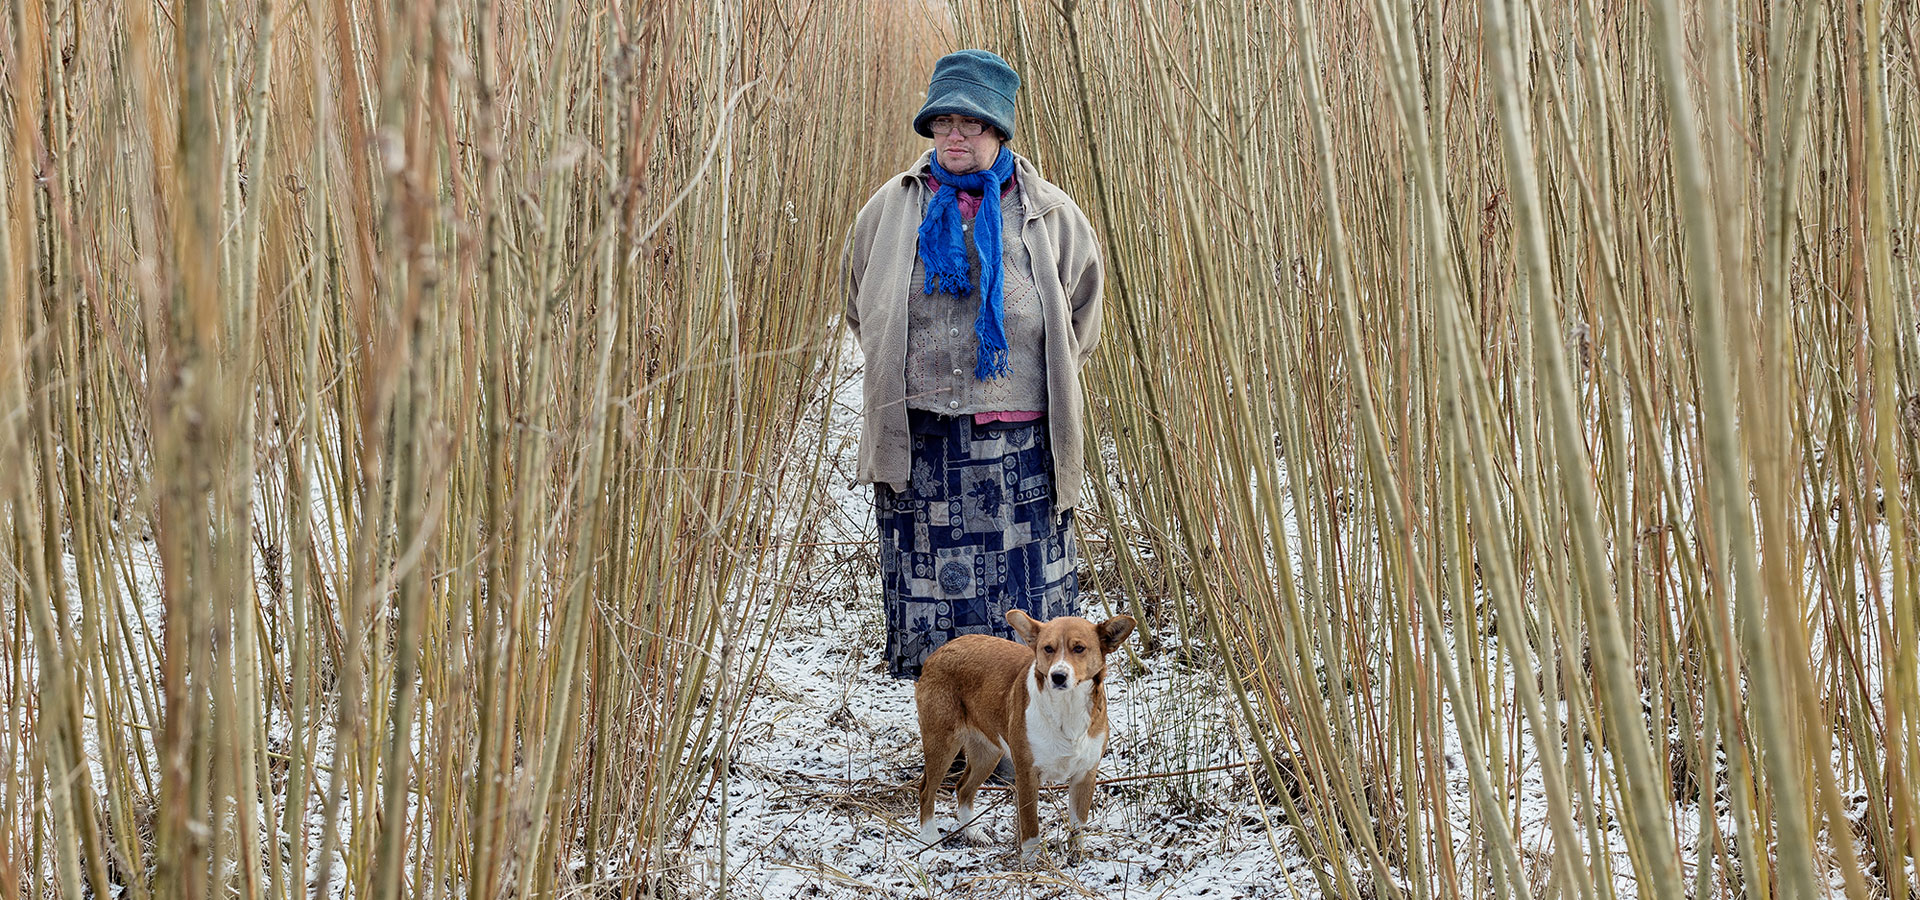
x: 1043, y: 704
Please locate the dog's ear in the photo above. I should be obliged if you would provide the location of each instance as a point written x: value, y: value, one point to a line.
x: 1023, y: 625
x: 1114, y: 631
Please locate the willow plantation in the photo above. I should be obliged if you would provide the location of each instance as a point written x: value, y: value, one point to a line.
x: 429, y: 431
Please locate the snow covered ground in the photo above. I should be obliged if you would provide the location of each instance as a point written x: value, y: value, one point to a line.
x: 822, y: 799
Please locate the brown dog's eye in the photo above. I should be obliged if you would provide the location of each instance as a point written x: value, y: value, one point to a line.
x: 1047, y: 649
x: 1077, y: 648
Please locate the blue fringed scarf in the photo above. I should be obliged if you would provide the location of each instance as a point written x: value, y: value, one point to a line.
x: 944, y: 252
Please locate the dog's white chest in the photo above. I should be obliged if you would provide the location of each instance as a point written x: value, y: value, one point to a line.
x: 1057, y: 724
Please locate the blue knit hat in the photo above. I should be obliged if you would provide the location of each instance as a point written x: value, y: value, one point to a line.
x: 972, y: 83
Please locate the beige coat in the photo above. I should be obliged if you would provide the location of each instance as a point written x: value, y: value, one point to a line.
x: 879, y: 266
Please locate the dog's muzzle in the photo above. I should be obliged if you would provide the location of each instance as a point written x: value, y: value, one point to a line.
x: 1060, y: 679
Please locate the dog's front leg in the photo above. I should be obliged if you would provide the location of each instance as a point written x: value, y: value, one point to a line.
x: 1026, y: 791
x: 1079, y: 806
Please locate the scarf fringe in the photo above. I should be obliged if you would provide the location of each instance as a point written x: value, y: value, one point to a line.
x: 991, y: 362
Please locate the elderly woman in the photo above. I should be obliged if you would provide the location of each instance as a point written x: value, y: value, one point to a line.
x: 974, y: 290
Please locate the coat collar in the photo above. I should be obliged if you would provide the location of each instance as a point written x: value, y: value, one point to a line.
x: 1037, y: 194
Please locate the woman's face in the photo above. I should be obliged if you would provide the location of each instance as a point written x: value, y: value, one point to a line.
x: 959, y: 153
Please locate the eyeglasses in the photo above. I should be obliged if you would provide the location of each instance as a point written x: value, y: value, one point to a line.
x: 967, y: 127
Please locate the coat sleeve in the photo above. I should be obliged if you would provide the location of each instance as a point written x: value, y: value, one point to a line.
x: 861, y: 252
x: 1083, y: 275
x: 853, y: 260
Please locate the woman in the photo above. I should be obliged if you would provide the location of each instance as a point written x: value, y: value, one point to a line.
x: 974, y: 291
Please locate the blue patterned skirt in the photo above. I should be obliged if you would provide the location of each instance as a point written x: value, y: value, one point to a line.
x: 974, y: 535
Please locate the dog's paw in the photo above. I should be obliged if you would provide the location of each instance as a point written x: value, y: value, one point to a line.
x: 929, y: 834
x: 1030, y: 851
x: 971, y: 829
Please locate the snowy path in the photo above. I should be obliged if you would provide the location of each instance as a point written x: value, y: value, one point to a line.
x: 822, y: 798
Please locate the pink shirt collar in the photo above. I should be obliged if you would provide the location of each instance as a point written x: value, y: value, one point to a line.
x: 969, y: 201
